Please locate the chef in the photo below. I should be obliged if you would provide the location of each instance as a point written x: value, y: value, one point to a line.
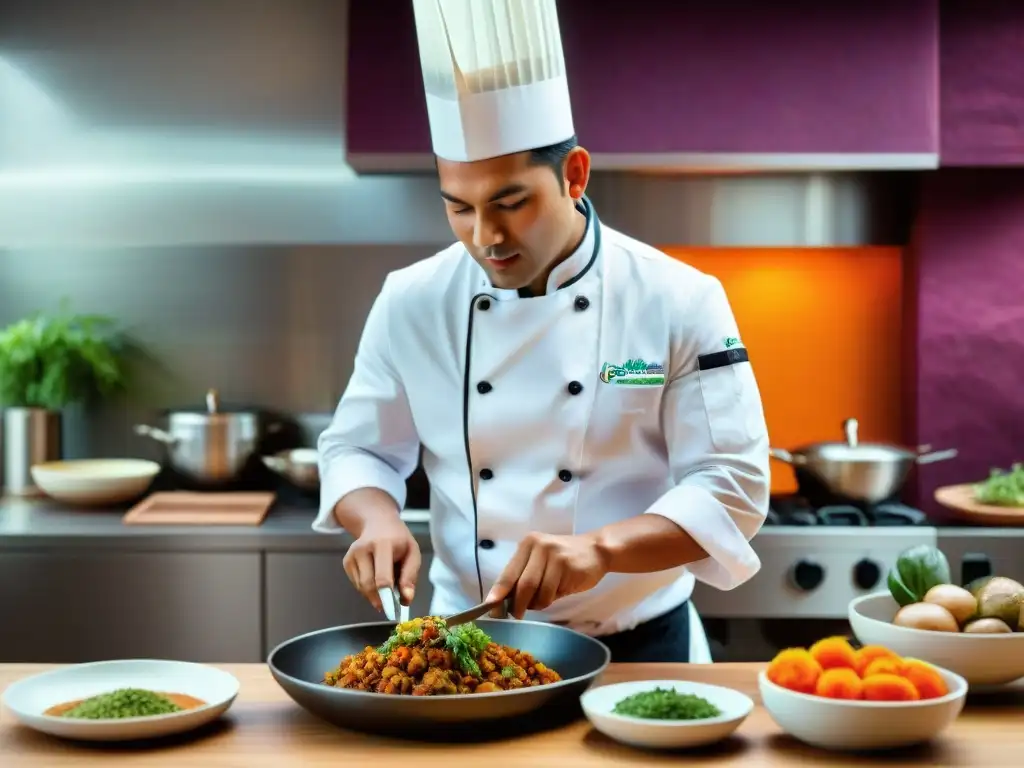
x: 584, y: 406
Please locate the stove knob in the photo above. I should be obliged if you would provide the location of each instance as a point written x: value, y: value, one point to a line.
x: 807, y: 575
x: 866, y: 574
x: 973, y: 567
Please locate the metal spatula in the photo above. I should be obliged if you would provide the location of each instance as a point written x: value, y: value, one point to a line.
x: 478, y: 611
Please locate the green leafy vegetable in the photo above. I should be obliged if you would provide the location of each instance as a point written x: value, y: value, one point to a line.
x: 508, y: 672
x: 465, y: 641
x: 1002, y: 489
x: 666, y: 704
x: 917, y: 570
x: 126, y: 702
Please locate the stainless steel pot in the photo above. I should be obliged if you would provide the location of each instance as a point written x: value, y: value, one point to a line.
x: 865, y: 472
x: 297, y: 465
x: 208, y: 446
x: 30, y: 436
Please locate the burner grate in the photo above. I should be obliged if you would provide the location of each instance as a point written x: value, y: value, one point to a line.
x: 796, y: 511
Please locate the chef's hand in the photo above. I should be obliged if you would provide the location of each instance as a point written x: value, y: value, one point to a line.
x: 545, y: 568
x: 384, y: 553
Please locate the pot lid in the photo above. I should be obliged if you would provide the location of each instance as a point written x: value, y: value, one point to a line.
x: 854, y: 450
x: 850, y: 453
x: 212, y: 406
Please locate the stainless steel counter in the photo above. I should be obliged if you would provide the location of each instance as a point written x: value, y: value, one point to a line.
x: 35, y: 524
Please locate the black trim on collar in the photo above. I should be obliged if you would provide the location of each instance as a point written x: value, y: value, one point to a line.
x: 585, y: 207
x: 591, y: 218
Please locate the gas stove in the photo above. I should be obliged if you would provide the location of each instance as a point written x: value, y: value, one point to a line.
x: 797, y: 511
x: 815, y: 560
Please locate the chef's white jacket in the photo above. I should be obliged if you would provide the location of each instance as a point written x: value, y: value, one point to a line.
x: 624, y: 390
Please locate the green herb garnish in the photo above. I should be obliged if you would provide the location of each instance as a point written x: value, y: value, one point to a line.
x: 466, y: 641
x: 126, y: 702
x: 1002, y: 489
x: 408, y: 633
x: 666, y: 704
x: 509, y: 672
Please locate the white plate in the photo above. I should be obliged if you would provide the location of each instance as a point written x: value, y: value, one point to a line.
x: 28, y: 698
x: 599, y: 702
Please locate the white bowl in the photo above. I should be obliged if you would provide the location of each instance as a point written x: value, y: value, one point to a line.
x: 862, y: 725
x: 599, y: 702
x: 28, y: 698
x: 95, y: 482
x: 980, y: 659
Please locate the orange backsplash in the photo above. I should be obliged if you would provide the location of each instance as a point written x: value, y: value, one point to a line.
x: 823, y: 326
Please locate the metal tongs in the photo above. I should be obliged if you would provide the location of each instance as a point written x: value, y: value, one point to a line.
x: 396, y: 612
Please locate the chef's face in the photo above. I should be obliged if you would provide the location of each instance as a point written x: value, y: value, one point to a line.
x: 515, y: 216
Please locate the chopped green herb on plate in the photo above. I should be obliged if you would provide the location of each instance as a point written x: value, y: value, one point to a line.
x: 666, y: 704
x: 1002, y: 489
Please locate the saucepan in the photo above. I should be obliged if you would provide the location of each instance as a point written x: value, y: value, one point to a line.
x: 299, y: 665
x: 297, y: 465
x: 209, y: 445
x: 865, y: 472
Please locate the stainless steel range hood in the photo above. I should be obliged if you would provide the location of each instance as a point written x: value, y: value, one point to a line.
x: 128, y: 124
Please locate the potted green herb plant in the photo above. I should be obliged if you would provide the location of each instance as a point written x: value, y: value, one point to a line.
x: 47, y: 363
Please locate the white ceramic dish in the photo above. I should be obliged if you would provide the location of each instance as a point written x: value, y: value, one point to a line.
x: 599, y: 702
x: 862, y: 725
x: 28, y: 698
x: 980, y: 659
x: 95, y: 482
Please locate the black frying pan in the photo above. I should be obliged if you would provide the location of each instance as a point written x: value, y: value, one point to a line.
x: 299, y: 665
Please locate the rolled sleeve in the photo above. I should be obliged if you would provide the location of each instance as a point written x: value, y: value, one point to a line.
x: 372, y: 441
x: 717, y: 443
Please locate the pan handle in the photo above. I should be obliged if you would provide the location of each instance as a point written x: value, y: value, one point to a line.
x: 156, y: 434
x: 781, y: 454
x: 934, y: 456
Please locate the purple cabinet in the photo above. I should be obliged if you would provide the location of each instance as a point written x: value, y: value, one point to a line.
x: 851, y: 83
x: 982, y: 85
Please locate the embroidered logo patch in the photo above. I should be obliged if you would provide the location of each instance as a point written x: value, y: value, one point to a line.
x: 731, y: 341
x: 634, y: 373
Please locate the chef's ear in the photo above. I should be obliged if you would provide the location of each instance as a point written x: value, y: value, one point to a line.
x: 577, y: 171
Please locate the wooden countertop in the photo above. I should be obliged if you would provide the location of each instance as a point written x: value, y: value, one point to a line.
x: 265, y: 729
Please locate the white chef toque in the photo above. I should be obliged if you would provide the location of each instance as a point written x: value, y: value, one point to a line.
x: 494, y: 75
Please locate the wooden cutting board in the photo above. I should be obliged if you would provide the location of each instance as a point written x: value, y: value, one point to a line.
x: 192, y: 508
x: 960, y: 500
